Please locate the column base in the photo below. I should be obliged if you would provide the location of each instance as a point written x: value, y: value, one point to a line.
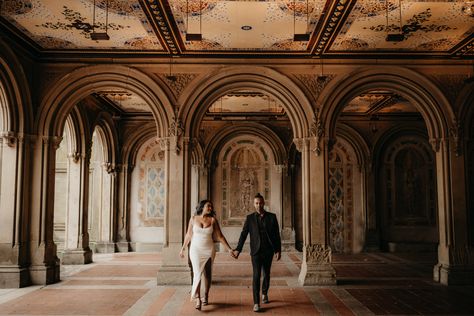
x: 122, y: 246
x: 76, y: 256
x: 454, y: 275
x: 317, y: 274
x: 103, y: 247
x: 42, y: 275
x: 13, y: 277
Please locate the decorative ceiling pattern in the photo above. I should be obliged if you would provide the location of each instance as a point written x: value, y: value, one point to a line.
x: 246, y: 102
x: 424, y: 26
x: 347, y: 28
x: 246, y: 25
x: 68, y: 24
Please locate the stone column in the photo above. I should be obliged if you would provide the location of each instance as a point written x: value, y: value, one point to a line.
x: 175, y: 270
x: 122, y: 221
x: 76, y: 242
x: 316, y: 268
x: 372, y: 238
x: 455, y: 254
x: 105, y: 243
x: 287, y: 231
x: 44, y: 268
x: 13, y: 215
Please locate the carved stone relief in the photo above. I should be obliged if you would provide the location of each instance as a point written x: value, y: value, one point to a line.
x: 245, y: 170
x: 315, y: 83
x: 178, y: 82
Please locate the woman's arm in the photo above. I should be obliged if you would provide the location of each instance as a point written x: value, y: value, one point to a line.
x: 219, y: 235
x: 187, y: 238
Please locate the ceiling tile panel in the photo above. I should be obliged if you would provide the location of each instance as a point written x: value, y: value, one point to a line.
x: 67, y: 24
x: 424, y: 26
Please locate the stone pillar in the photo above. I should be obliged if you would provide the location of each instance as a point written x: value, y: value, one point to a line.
x: 372, y: 238
x: 175, y: 270
x: 204, y: 183
x: 13, y: 215
x: 76, y: 242
x: 287, y: 230
x: 455, y: 254
x: 316, y: 268
x: 122, y: 222
x: 105, y: 243
x: 44, y: 268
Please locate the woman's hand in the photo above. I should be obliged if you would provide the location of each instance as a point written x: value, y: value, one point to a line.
x: 181, y: 253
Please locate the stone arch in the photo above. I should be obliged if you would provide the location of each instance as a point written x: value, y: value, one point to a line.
x: 272, y: 140
x: 297, y: 105
x: 135, y: 141
x: 419, y: 90
x: 109, y: 137
x: 81, y: 82
x: 356, y: 141
x: 15, y: 96
x: 396, y: 202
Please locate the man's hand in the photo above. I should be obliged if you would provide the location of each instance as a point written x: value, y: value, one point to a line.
x: 235, y: 254
x: 278, y: 255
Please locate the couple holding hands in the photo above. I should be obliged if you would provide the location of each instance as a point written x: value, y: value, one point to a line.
x: 265, y: 243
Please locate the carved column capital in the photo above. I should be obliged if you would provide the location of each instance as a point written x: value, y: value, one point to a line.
x: 317, y: 131
x: 435, y: 144
x: 52, y: 141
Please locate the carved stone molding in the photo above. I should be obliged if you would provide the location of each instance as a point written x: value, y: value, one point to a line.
x: 178, y: 82
x: 75, y: 156
x: 176, y: 127
x: 53, y: 141
x: 9, y: 138
x: 318, y: 254
x: 315, y: 83
x: 317, y: 130
x: 435, y: 144
x: 456, y: 132
x: 110, y: 167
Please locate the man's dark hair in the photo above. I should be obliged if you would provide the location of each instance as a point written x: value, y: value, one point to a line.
x: 258, y: 196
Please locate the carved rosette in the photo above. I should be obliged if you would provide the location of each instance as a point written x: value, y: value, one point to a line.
x: 456, y: 132
x: 318, y: 254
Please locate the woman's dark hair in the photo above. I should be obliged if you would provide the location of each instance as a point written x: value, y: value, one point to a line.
x: 200, y: 208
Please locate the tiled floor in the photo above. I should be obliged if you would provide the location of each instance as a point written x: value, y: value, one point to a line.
x: 125, y: 284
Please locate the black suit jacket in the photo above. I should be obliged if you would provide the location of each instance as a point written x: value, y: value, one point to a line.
x: 251, y: 226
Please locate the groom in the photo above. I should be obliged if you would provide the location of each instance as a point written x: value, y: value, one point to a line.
x: 264, y: 243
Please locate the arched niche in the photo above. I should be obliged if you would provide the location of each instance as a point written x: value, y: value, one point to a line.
x: 148, y: 197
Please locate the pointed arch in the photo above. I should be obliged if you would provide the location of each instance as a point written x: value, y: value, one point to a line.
x: 295, y: 102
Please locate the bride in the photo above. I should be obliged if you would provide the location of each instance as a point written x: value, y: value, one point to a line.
x: 203, y: 229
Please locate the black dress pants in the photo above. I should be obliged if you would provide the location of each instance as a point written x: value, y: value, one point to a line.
x: 261, y: 262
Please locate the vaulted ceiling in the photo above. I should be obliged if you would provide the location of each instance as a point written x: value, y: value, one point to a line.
x: 280, y: 28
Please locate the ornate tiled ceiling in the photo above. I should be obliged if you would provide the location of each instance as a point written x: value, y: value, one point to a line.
x: 247, y: 27
x: 378, y: 102
x: 125, y: 101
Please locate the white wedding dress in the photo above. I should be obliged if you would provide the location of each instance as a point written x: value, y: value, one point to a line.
x: 201, y: 251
